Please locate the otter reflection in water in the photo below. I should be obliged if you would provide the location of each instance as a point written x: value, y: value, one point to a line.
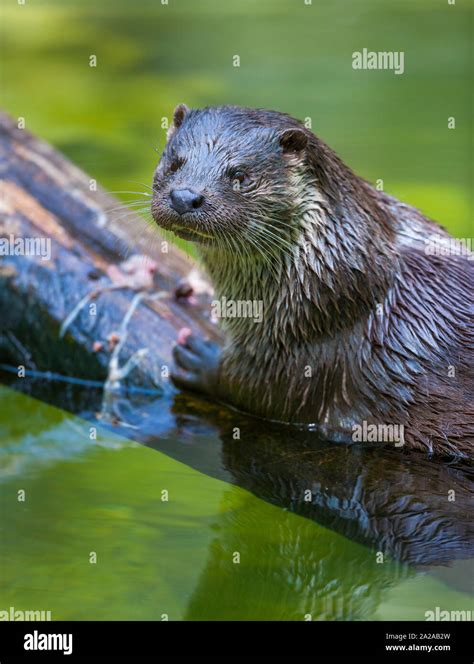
x: 412, y: 509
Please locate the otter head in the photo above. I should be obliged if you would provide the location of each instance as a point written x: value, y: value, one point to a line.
x: 225, y: 175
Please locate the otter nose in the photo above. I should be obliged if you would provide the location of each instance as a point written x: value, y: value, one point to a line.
x: 185, y: 200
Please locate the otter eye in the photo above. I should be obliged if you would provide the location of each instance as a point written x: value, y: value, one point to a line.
x: 175, y: 164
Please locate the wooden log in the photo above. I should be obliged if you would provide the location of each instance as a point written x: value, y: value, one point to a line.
x: 97, y: 258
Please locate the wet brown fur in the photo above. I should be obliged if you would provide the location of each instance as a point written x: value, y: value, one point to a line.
x: 360, y: 322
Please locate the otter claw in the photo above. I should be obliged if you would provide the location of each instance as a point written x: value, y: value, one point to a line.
x: 186, y: 359
x: 196, y: 361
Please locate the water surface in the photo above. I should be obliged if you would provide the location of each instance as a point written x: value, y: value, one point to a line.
x: 235, y: 539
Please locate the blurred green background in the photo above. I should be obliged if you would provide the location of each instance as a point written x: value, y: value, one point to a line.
x: 294, y: 57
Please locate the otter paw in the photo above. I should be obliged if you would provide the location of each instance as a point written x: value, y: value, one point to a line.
x: 196, y: 361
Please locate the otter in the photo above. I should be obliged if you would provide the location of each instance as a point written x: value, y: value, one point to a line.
x: 365, y: 325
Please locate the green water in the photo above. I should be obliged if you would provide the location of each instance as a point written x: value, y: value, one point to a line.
x: 295, y: 58
x: 211, y: 551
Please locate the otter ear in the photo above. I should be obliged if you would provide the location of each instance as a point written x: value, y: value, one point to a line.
x: 293, y: 140
x: 178, y: 116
